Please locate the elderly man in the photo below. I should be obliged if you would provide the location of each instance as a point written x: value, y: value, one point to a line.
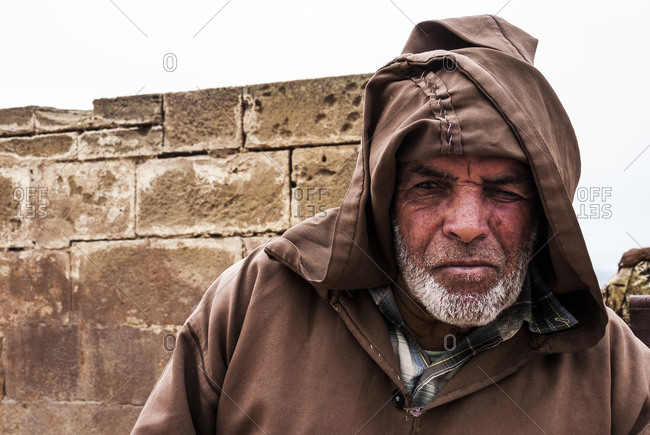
x: 451, y: 292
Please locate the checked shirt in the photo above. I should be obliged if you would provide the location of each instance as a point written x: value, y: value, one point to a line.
x: 424, y: 372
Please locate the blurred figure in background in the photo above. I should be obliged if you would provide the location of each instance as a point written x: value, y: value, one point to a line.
x: 632, y: 278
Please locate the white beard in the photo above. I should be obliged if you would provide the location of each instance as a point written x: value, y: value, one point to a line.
x: 454, y: 308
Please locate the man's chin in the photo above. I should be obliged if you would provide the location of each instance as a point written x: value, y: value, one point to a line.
x: 467, y: 310
x: 466, y: 304
x: 466, y: 323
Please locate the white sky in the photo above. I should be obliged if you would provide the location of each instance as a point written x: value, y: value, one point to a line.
x: 596, y: 55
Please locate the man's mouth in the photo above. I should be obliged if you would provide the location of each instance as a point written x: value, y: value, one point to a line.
x: 466, y: 270
x: 466, y: 263
x: 467, y: 276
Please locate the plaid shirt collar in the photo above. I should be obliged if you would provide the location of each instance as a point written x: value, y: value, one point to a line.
x: 424, y: 376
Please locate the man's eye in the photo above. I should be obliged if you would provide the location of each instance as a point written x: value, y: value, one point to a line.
x: 427, y: 185
x: 504, y: 195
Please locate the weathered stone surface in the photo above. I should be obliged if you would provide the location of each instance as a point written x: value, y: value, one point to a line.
x: 15, y: 198
x: 141, y: 141
x: 320, y: 177
x: 2, y: 366
x: 125, y: 358
x: 86, y: 201
x: 49, y: 119
x: 71, y: 334
x: 130, y: 110
x: 92, y: 364
x: 236, y: 194
x: 65, y: 418
x: 203, y: 120
x: 35, y: 287
x: 150, y: 281
x: 59, y: 146
x: 251, y: 243
x: 17, y: 120
x: 41, y: 362
x: 304, y: 112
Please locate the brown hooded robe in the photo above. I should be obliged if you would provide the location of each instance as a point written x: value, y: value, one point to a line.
x: 288, y: 339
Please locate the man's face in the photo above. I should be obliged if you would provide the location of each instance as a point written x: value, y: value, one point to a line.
x: 464, y: 232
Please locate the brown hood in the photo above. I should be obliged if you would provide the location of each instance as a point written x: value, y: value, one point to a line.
x: 456, y: 83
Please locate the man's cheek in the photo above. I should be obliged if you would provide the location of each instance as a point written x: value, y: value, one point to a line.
x: 510, y: 223
x: 422, y: 237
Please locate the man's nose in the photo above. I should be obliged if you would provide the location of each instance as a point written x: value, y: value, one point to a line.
x: 466, y: 218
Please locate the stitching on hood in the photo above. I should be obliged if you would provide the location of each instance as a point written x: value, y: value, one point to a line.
x: 443, y: 111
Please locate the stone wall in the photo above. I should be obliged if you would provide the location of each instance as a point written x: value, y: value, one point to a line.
x: 114, y: 221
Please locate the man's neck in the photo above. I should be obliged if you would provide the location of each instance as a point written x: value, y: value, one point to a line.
x: 429, y: 333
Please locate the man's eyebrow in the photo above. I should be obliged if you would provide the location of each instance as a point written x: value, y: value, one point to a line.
x: 513, y: 179
x: 427, y: 171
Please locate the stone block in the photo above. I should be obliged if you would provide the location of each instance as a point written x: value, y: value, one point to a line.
x: 121, y: 142
x: 16, y: 205
x: 35, y: 285
x: 236, y: 194
x: 2, y: 366
x: 149, y: 281
x: 125, y: 111
x: 17, y: 121
x: 64, y: 418
x: 41, y: 362
x: 123, y: 362
x: 56, y: 146
x: 86, y: 201
x: 49, y: 119
x: 251, y: 243
x: 304, y: 112
x: 208, y: 119
x: 320, y: 178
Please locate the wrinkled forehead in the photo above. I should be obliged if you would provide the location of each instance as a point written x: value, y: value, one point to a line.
x: 468, y: 168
